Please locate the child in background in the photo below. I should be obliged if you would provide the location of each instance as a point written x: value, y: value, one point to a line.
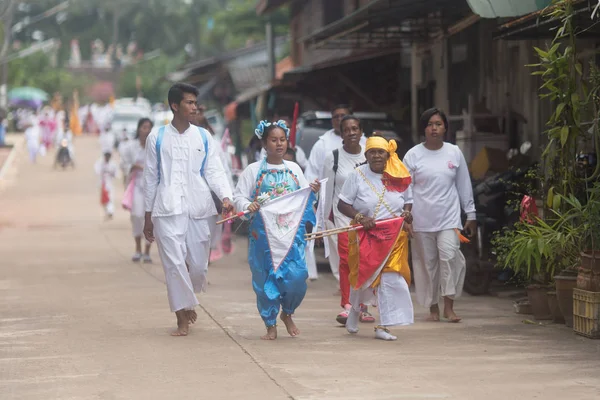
x: 107, y: 172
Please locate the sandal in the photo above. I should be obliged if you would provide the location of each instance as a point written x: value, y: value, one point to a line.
x: 342, y: 317
x: 366, y: 317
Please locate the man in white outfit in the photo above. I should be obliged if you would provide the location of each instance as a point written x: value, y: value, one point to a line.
x: 327, y: 143
x: 181, y: 168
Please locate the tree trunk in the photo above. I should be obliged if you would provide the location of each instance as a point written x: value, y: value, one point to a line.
x: 116, y: 15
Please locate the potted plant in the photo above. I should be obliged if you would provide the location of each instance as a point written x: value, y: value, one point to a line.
x: 587, y: 219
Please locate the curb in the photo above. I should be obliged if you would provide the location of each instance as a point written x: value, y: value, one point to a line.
x: 10, y: 159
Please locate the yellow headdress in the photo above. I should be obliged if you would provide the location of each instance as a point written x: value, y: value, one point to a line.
x: 396, y: 177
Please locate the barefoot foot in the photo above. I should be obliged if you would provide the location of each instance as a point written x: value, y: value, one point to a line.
x: 452, y: 317
x: 289, y: 324
x: 449, y: 311
x: 271, y: 333
x: 192, y: 316
x: 434, y: 313
x: 183, y: 324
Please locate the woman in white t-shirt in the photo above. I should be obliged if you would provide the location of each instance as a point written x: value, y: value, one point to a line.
x: 338, y: 165
x: 441, y: 188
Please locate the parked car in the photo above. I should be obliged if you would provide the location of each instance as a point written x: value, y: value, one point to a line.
x: 162, y: 117
x: 127, y: 112
x: 313, y: 124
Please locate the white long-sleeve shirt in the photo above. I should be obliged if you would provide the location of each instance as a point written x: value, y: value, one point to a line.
x: 182, y: 155
x: 106, y: 171
x: 246, y: 185
x: 327, y: 142
x: 441, y: 187
x: 347, y: 163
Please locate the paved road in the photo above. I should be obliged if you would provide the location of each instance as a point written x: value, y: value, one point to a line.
x: 78, y: 320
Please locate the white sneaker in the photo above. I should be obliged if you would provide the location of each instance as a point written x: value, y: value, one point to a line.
x: 136, y: 257
x: 147, y: 259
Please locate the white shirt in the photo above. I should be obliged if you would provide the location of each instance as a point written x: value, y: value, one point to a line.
x: 127, y: 152
x: 182, y: 155
x: 32, y: 135
x: 107, y: 142
x: 137, y: 155
x: 441, y: 186
x: 246, y: 186
x: 327, y: 143
x: 300, y: 156
x: 107, y: 171
x: 359, y: 195
x: 347, y: 163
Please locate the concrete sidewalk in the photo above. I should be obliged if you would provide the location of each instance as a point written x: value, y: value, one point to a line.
x: 80, y: 321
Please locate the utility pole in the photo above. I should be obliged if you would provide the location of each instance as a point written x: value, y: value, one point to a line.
x: 270, y: 50
x: 7, y: 19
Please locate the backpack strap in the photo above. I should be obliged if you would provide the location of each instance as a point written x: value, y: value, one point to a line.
x: 159, y: 138
x: 205, y: 142
x: 336, y: 159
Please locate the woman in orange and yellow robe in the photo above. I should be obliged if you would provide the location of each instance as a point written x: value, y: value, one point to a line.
x: 376, y: 195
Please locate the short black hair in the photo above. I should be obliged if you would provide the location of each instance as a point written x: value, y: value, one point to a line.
x: 291, y: 152
x: 341, y: 107
x: 177, y: 91
x: 141, y: 122
x: 351, y: 118
x: 427, y: 114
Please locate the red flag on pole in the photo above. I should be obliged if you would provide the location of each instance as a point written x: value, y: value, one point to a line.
x: 294, y: 123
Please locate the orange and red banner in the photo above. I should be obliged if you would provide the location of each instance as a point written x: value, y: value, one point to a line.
x: 370, y: 250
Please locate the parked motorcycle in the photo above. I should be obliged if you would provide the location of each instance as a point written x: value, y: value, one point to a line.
x: 494, y: 199
x: 63, y: 156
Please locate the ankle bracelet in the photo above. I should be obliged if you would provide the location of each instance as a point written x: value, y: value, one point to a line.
x: 383, y: 328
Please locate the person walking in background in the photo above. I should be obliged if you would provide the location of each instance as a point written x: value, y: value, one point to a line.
x: 337, y: 167
x: 135, y: 157
x: 441, y: 188
x: 33, y: 138
x: 326, y: 144
x: 107, y: 170
x: 216, y: 231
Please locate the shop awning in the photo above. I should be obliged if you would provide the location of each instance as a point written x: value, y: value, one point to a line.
x: 341, y: 57
x: 252, y: 93
x: 538, y: 25
x: 389, y: 23
x: 506, y: 8
x: 266, y: 6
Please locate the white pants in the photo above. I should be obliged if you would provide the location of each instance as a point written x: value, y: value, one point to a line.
x: 182, y: 240
x: 334, y: 256
x: 109, y: 208
x: 33, y: 152
x: 216, y: 232
x: 311, y: 263
x: 137, y: 227
x: 393, y: 300
x: 438, y: 266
